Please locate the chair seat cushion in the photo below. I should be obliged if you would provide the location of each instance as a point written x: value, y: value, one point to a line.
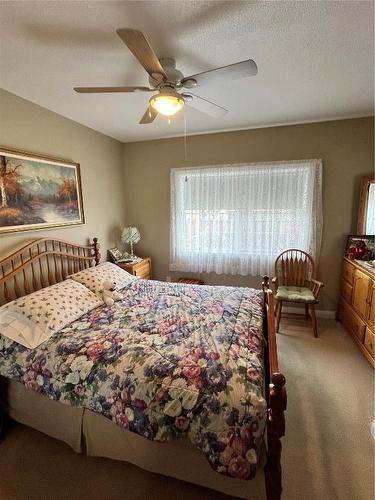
x: 295, y: 294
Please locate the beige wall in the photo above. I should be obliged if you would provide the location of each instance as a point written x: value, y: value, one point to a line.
x: 29, y: 127
x: 345, y: 146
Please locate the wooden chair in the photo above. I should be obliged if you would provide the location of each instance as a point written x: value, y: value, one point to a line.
x: 295, y: 281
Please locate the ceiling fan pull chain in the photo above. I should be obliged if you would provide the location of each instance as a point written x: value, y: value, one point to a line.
x: 185, y: 142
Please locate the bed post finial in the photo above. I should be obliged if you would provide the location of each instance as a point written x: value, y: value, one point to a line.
x: 265, y: 283
x: 96, y: 248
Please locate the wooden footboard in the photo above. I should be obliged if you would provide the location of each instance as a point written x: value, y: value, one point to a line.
x: 276, y: 399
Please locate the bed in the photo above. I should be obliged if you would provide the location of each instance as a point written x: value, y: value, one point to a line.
x: 181, y: 380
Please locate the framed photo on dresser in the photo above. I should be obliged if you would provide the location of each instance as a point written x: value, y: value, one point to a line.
x: 360, y: 246
x: 114, y: 254
x: 38, y: 192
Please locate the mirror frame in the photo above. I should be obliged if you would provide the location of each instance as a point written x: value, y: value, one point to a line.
x: 363, y: 201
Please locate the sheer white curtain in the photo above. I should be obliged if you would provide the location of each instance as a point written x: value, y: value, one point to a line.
x: 235, y: 219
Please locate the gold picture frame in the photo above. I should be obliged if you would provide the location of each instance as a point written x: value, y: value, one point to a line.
x: 38, y: 192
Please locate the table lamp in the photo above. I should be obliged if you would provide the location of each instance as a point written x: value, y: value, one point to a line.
x: 130, y: 235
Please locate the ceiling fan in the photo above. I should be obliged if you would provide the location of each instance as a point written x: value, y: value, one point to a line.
x: 167, y: 81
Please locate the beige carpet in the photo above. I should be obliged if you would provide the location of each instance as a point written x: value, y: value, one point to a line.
x: 328, y: 449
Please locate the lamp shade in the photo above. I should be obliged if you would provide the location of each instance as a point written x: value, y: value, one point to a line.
x: 130, y: 234
x: 167, y: 105
x: 168, y: 102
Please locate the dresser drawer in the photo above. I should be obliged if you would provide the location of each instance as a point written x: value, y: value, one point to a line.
x: 371, y: 308
x: 352, y: 321
x: 346, y: 291
x: 348, y: 272
x: 361, y: 293
x: 370, y: 341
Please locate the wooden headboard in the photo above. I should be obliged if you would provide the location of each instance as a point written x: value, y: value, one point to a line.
x: 41, y: 263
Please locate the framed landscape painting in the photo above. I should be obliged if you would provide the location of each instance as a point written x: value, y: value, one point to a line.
x: 38, y: 192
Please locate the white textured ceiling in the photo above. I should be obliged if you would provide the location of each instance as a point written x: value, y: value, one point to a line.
x: 315, y: 59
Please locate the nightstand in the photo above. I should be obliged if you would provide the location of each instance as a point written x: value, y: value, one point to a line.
x: 141, y: 269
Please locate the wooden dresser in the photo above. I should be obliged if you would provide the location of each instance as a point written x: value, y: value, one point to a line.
x: 356, y: 308
x: 141, y: 269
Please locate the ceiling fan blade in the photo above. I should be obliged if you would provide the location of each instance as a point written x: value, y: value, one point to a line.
x: 100, y: 90
x: 241, y: 69
x: 142, y: 50
x: 206, y: 106
x: 149, y: 116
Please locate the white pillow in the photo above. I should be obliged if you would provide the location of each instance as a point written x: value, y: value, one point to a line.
x: 93, y: 277
x: 34, y: 318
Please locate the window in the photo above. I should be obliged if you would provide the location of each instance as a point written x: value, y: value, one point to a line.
x: 235, y: 219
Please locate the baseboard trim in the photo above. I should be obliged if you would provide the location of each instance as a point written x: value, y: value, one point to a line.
x: 320, y: 313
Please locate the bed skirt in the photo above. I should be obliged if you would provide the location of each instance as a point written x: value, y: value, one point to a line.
x: 85, y: 430
x: 55, y: 419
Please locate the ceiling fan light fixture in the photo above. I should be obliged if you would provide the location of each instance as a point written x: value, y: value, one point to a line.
x: 167, y: 103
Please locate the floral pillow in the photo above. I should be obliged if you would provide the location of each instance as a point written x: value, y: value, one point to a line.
x: 32, y: 319
x: 93, y: 277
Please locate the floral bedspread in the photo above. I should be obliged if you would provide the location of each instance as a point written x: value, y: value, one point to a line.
x: 168, y: 360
